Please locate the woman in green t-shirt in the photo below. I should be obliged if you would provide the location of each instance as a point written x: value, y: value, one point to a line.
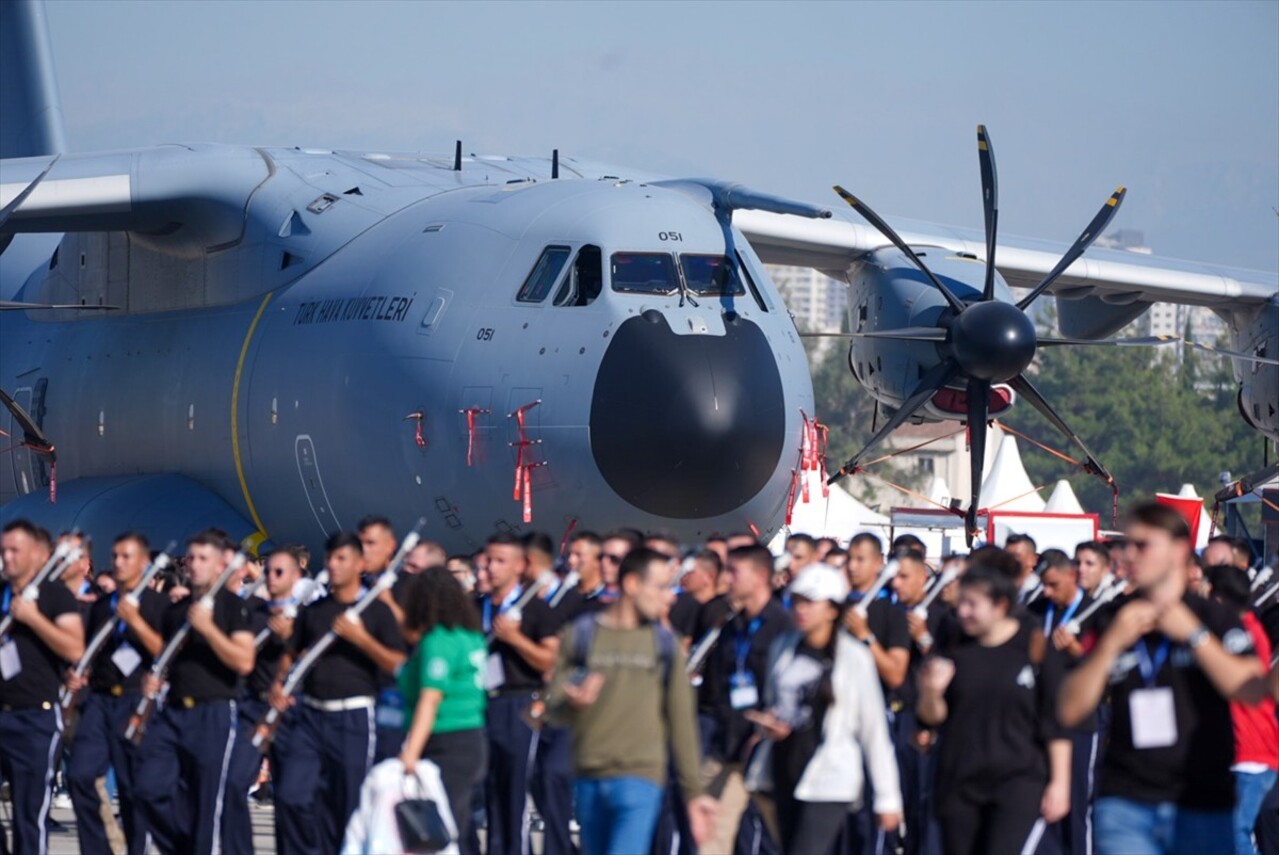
x: 443, y: 688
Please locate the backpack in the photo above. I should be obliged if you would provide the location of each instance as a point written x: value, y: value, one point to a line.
x: 584, y: 634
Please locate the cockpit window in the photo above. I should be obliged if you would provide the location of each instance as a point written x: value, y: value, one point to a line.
x: 644, y: 273
x: 586, y: 280
x: 711, y: 276
x: 543, y: 275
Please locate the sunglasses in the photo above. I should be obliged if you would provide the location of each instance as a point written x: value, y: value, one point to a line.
x: 616, y: 559
x: 276, y: 571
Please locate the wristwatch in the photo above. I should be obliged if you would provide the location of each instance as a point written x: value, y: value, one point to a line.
x: 1197, y: 638
x: 869, y: 639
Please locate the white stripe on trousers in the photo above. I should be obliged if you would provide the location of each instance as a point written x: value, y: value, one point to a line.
x: 43, y: 817
x: 372, y: 749
x: 226, y: 763
x: 526, y: 821
x: 1092, y: 783
x: 1036, y: 833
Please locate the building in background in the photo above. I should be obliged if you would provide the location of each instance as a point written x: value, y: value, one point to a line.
x: 817, y: 302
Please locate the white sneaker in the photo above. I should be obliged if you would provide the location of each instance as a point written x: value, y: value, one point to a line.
x: 62, y: 801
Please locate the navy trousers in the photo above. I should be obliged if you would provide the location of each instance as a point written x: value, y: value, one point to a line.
x: 237, y: 825
x: 100, y: 745
x: 181, y: 778
x: 551, y: 786
x: 319, y: 760
x: 511, y: 747
x: 29, y: 740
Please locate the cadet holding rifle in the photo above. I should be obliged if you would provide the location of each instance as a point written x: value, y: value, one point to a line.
x: 126, y: 638
x: 181, y: 778
x: 40, y: 632
x: 326, y: 742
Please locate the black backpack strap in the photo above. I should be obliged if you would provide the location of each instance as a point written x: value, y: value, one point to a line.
x: 665, y: 650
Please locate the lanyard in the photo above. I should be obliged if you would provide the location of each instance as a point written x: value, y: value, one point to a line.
x: 743, y: 642
x: 511, y: 599
x: 8, y: 598
x: 1150, y: 667
x: 120, y: 626
x: 281, y: 604
x: 1065, y: 618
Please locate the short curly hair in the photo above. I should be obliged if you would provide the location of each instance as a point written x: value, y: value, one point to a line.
x: 434, y: 598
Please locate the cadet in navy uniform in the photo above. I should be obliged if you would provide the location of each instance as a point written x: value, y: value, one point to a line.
x: 45, y: 635
x: 326, y: 743
x: 114, y: 681
x: 271, y: 631
x: 181, y: 779
x: 522, y: 647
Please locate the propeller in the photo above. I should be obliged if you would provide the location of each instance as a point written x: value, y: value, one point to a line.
x: 990, y: 340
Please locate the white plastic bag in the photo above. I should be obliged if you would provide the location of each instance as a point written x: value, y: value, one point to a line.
x: 372, y: 829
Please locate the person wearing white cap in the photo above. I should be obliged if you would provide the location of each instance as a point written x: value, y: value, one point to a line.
x: 823, y: 712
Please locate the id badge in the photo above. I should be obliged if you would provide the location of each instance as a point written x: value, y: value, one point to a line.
x: 494, y: 672
x: 742, y: 692
x: 10, y: 663
x: 126, y: 659
x: 1153, y: 717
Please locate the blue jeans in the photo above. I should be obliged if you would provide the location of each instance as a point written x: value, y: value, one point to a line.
x: 617, y: 815
x: 1252, y: 789
x: 1126, y: 827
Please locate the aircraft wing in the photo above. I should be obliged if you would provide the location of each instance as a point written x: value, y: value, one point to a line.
x: 1116, y: 277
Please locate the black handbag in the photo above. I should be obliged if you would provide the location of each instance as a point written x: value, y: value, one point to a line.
x: 421, y: 827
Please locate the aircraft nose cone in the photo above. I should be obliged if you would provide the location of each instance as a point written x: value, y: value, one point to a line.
x: 687, y: 426
x: 993, y: 341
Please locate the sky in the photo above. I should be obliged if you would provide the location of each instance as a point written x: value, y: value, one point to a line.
x: 1177, y: 101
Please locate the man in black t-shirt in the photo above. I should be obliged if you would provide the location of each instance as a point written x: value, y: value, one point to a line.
x: 181, y: 779
x: 883, y: 629
x: 734, y: 677
x: 114, y: 681
x: 45, y: 636
x: 1172, y: 661
x: 326, y: 743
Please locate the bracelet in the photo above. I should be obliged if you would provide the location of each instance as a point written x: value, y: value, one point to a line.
x: 925, y: 641
x: 1198, y: 638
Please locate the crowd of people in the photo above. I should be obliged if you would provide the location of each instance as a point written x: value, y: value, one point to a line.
x: 627, y: 695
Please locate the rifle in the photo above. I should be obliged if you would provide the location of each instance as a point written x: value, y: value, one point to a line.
x: 160, y: 668
x: 306, y: 588
x: 1106, y: 591
x: 885, y: 575
x: 264, y: 733
x: 569, y: 583
x: 62, y: 556
x: 516, y: 611
x: 67, y: 698
x: 943, y: 580
x: 699, y: 654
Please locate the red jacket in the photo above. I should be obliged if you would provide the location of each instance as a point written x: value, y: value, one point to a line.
x: 1256, y: 730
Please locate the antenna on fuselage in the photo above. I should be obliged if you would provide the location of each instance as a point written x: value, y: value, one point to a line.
x: 457, y: 157
x: 555, y: 163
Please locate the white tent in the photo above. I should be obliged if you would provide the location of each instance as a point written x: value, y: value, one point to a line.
x: 1205, y: 522
x: 1063, y: 500
x: 1007, y: 486
x: 939, y: 491
x: 838, y: 515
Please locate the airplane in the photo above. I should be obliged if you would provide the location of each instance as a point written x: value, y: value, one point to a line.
x: 278, y: 341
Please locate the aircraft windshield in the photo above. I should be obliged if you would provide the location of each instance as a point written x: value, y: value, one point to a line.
x: 644, y: 273
x: 711, y: 276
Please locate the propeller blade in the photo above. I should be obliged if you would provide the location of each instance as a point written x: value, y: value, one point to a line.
x: 887, y: 231
x: 978, y: 423
x: 1233, y: 354
x: 1142, y: 341
x: 1028, y: 391
x: 7, y: 211
x: 1090, y: 234
x: 990, y: 205
x: 903, y: 334
x: 937, y: 377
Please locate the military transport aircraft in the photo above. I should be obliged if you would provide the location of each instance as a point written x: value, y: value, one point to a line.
x: 277, y: 341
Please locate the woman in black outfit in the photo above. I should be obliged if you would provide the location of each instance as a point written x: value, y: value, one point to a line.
x: 1003, y: 769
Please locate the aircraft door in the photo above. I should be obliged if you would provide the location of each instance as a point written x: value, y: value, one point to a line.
x: 21, y: 460
x: 317, y: 497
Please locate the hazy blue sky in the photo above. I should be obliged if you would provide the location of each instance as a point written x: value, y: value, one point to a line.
x: 1177, y: 100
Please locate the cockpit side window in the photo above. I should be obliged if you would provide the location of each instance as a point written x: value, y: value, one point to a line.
x: 544, y: 274
x: 750, y: 282
x: 586, y: 280
x: 711, y: 276
x: 644, y: 273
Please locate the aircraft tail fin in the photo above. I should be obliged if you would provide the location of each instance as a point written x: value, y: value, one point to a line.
x: 30, y: 111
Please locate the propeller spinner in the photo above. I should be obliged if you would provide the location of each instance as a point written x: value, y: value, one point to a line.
x: 984, y: 341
